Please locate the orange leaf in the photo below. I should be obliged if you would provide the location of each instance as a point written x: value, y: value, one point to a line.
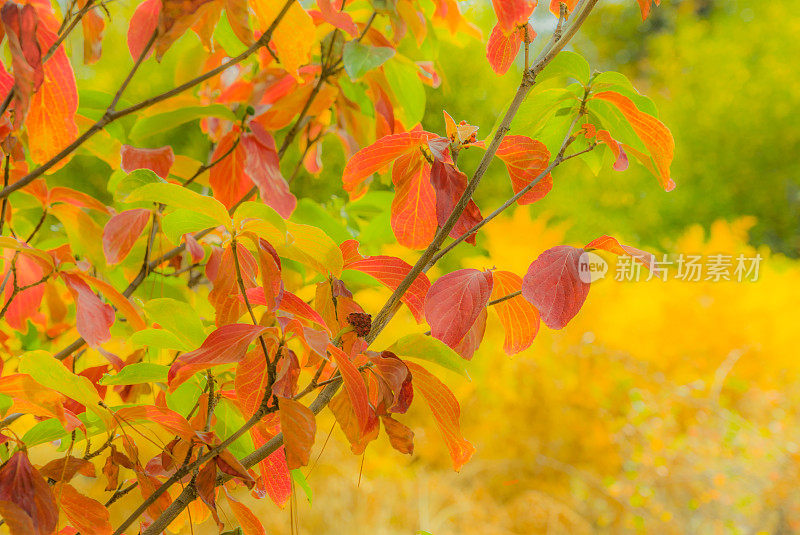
x: 513, y: 13
x: 27, y: 302
x: 293, y: 38
x: 147, y: 486
x: 226, y: 345
x: 519, y: 318
x: 610, y: 244
x: 238, y: 17
x: 644, y: 7
x: 275, y: 478
x: 166, y: 418
x: 123, y: 305
x: 158, y: 160
x: 413, y: 212
x: 390, y: 271
x: 33, y: 398
x: 400, y: 436
x: 250, y: 381
x: 175, y: 18
x: 227, y: 178
x: 337, y: 18
x: 51, y: 120
x: 356, y: 390
x: 445, y: 410
x: 248, y: 522
x: 555, y: 8
x: 654, y: 134
x: 299, y: 427
x: 93, y: 26
x: 85, y: 514
x: 525, y: 159
x: 502, y: 48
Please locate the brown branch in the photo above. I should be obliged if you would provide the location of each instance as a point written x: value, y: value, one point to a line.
x: 6, y: 171
x: 115, y: 115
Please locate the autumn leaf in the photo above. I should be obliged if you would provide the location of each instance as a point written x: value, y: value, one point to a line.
x: 121, y: 232
x: 299, y: 427
x: 226, y: 345
x: 513, y: 13
x: 158, y: 160
x: 446, y: 411
x: 413, y: 213
x: 502, y: 48
x: 263, y: 169
x: 143, y: 23
x: 93, y: 26
x: 293, y: 38
x: 450, y: 184
x: 248, y: 521
x: 554, y: 286
x: 20, y: 24
x: 519, y: 318
x: 84, y: 513
x: 205, y: 482
x: 610, y: 244
x: 337, y: 18
x: 555, y: 8
x: 26, y: 303
x: 147, y: 486
x: 644, y: 7
x: 526, y: 159
x: 227, y: 178
x: 275, y: 479
x: 654, y: 134
x: 455, y: 301
x: 401, y: 437
x: 390, y: 271
x: 22, y: 485
x: 51, y: 120
x: 238, y: 17
x: 356, y: 390
x: 250, y: 381
x: 175, y: 18
x: 166, y: 418
x: 65, y: 468
x: 468, y: 345
x: 32, y: 398
x: 94, y: 318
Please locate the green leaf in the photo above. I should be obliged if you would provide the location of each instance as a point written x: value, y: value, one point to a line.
x: 568, y: 64
x: 300, y: 479
x: 615, y: 81
x: 359, y: 59
x: 310, y: 213
x: 183, y: 221
x: 424, y: 347
x: 230, y: 420
x: 223, y: 34
x: 312, y: 247
x: 178, y: 317
x: 179, y: 197
x: 159, y: 339
x: 357, y: 94
x: 43, y: 432
x: 120, y: 185
x: 262, y: 219
x: 46, y: 370
x: 407, y: 89
x: 138, y: 373
x: 611, y: 118
x: 164, y: 122
x: 538, y: 109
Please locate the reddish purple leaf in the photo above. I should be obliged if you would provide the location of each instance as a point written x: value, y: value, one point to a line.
x: 455, y: 301
x: 263, y: 169
x: 22, y: 485
x: 553, y: 285
x: 450, y: 184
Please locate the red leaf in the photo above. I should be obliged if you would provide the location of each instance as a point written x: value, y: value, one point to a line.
x: 85, y: 514
x: 513, y: 13
x: 525, y: 159
x: 378, y: 155
x: 263, y: 169
x: 16, y: 518
x: 94, y: 318
x: 119, y: 301
x: 621, y: 162
x: 337, y: 18
x: 227, y: 178
x: 27, y: 302
x: 472, y: 340
x: 450, y: 184
x: 275, y: 478
x: 121, y: 232
x: 445, y: 410
x: 519, y: 318
x: 607, y: 243
x: 502, y: 48
x: 194, y: 248
x: 390, y: 271
x: 20, y: 24
x: 413, y: 216
x: 158, y: 160
x: 299, y: 428
x: 225, y: 345
x: 22, y: 485
x: 356, y: 390
x: 455, y: 301
x: 553, y: 285
x: 654, y: 134
x: 143, y: 23
x: 166, y: 418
